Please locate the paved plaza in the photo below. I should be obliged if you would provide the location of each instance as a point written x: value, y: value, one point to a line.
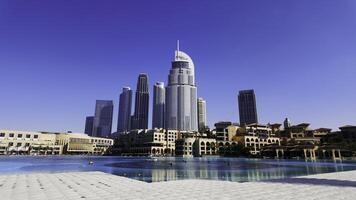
x: 101, y: 186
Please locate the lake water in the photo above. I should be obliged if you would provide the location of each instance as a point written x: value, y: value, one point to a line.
x: 171, y: 168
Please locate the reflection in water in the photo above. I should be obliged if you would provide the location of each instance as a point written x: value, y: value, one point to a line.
x: 164, y: 169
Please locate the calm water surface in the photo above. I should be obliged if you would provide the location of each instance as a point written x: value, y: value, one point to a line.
x: 163, y: 169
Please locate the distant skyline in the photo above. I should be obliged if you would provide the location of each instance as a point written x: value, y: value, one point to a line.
x: 58, y: 57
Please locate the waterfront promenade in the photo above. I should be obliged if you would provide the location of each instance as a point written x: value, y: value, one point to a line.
x: 99, y: 185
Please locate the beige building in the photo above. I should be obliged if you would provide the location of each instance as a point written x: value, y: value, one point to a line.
x: 256, y: 143
x: 48, y: 143
x: 77, y: 143
x: 27, y: 142
x: 196, y: 146
x: 155, y: 142
x: 225, y: 131
x: 256, y: 136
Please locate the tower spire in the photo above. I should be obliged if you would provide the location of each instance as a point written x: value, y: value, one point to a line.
x: 177, y: 51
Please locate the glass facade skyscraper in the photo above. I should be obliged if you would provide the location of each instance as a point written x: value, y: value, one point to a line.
x: 159, y: 99
x: 89, y: 125
x: 140, y: 117
x: 201, y: 114
x: 181, y: 94
x: 247, y: 107
x: 103, y: 118
x: 124, y: 116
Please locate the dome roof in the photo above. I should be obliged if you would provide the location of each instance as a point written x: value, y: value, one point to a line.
x: 181, y: 56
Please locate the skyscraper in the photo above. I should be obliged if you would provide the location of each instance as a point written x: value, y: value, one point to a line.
x: 201, y: 114
x: 181, y: 94
x: 159, y: 99
x: 124, y: 117
x: 287, y: 123
x: 247, y: 107
x: 103, y: 118
x: 89, y: 125
x: 140, y: 118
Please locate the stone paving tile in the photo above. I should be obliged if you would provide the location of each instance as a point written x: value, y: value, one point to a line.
x: 101, y: 186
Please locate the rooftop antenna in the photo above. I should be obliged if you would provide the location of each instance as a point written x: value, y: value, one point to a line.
x: 177, y: 49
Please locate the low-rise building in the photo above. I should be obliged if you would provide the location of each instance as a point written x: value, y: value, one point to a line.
x: 196, y: 146
x: 76, y: 143
x: 298, y: 131
x: 155, y: 142
x: 256, y: 136
x: 255, y: 143
x: 222, y: 132
x: 50, y: 143
x: 27, y: 142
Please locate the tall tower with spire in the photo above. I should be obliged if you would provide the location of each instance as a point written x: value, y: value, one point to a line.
x: 181, y: 94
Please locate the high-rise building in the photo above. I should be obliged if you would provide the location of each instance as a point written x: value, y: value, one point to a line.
x: 89, y: 125
x: 103, y: 118
x: 247, y: 107
x: 159, y: 99
x: 201, y: 114
x: 287, y: 123
x: 181, y: 94
x: 140, y: 117
x: 124, y: 117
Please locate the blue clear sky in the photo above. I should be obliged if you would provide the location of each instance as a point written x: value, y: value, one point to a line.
x: 58, y: 57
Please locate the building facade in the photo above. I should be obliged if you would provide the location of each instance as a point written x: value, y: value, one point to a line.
x: 196, y: 146
x: 257, y: 136
x: 247, y: 107
x: 103, y: 118
x: 50, y: 143
x: 201, y: 114
x: 222, y: 132
x: 89, y: 122
x: 144, y: 142
x: 27, y: 142
x: 140, y: 117
x: 124, y: 116
x: 159, y: 99
x: 77, y: 143
x: 181, y: 94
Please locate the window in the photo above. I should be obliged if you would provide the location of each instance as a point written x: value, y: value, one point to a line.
x: 2, y: 134
x: 11, y: 144
x: 11, y: 135
x: 19, y: 135
x: 27, y: 144
x: 18, y: 144
x: 35, y: 136
x: 28, y: 136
